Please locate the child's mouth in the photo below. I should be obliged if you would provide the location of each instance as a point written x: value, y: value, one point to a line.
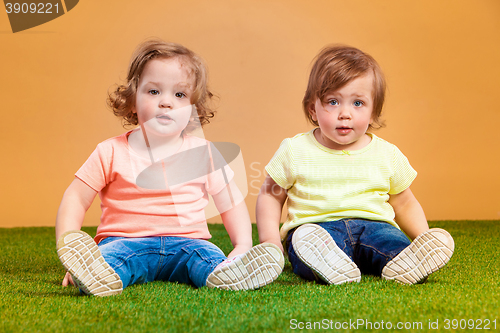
x: 164, y: 118
x: 344, y: 130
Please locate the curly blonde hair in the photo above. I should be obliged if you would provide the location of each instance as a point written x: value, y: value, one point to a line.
x: 337, y: 65
x: 122, y: 99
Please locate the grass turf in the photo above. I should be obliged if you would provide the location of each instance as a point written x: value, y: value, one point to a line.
x: 466, y: 290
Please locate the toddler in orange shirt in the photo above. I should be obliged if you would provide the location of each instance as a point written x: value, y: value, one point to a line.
x: 154, y: 182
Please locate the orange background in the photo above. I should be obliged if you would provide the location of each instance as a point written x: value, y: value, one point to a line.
x: 441, y: 59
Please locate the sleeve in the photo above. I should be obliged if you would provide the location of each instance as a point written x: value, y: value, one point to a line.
x: 403, y: 173
x: 281, y: 166
x: 95, y: 171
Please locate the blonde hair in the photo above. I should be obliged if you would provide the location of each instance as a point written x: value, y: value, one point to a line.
x: 337, y: 65
x: 122, y: 99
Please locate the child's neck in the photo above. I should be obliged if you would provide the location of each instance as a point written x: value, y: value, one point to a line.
x: 359, y: 144
x: 154, y: 147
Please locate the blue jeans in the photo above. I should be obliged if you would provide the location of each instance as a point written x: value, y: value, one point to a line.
x: 370, y: 244
x: 175, y: 259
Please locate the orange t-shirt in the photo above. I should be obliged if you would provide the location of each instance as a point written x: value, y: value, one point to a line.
x: 167, y: 198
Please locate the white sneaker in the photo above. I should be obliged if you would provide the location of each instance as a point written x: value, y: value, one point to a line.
x: 429, y: 252
x: 317, y: 249
x: 81, y: 257
x: 259, y: 266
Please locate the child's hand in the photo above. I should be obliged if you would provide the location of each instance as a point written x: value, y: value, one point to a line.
x: 67, y: 280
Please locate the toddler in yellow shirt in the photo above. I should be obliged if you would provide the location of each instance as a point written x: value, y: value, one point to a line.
x: 349, y: 198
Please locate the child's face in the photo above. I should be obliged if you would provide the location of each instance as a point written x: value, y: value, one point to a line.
x: 163, y: 98
x: 345, y: 115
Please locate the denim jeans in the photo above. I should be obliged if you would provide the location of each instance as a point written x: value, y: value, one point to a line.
x: 175, y: 259
x: 370, y: 244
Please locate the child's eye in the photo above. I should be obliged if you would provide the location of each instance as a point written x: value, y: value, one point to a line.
x: 358, y: 103
x: 180, y: 95
x: 333, y: 102
x: 153, y: 92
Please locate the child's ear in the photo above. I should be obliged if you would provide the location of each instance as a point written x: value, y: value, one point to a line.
x: 312, y: 111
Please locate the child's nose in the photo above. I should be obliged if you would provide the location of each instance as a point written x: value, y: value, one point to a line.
x: 344, y: 113
x: 166, y: 102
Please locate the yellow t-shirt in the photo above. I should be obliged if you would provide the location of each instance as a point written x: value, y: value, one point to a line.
x: 326, y: 185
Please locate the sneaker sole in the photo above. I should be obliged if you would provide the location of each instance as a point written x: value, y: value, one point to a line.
x: 81, y: 257
x: 425, y: 255
x: 261, y: 265
x: 317, y: 249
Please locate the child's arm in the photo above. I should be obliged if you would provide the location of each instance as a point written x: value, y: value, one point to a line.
x: 75, y: 203
x: 270, y: 202
x: 409, y: 214
x: 234, y: 214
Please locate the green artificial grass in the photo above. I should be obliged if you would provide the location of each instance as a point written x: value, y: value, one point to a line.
x: 466, y: 290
